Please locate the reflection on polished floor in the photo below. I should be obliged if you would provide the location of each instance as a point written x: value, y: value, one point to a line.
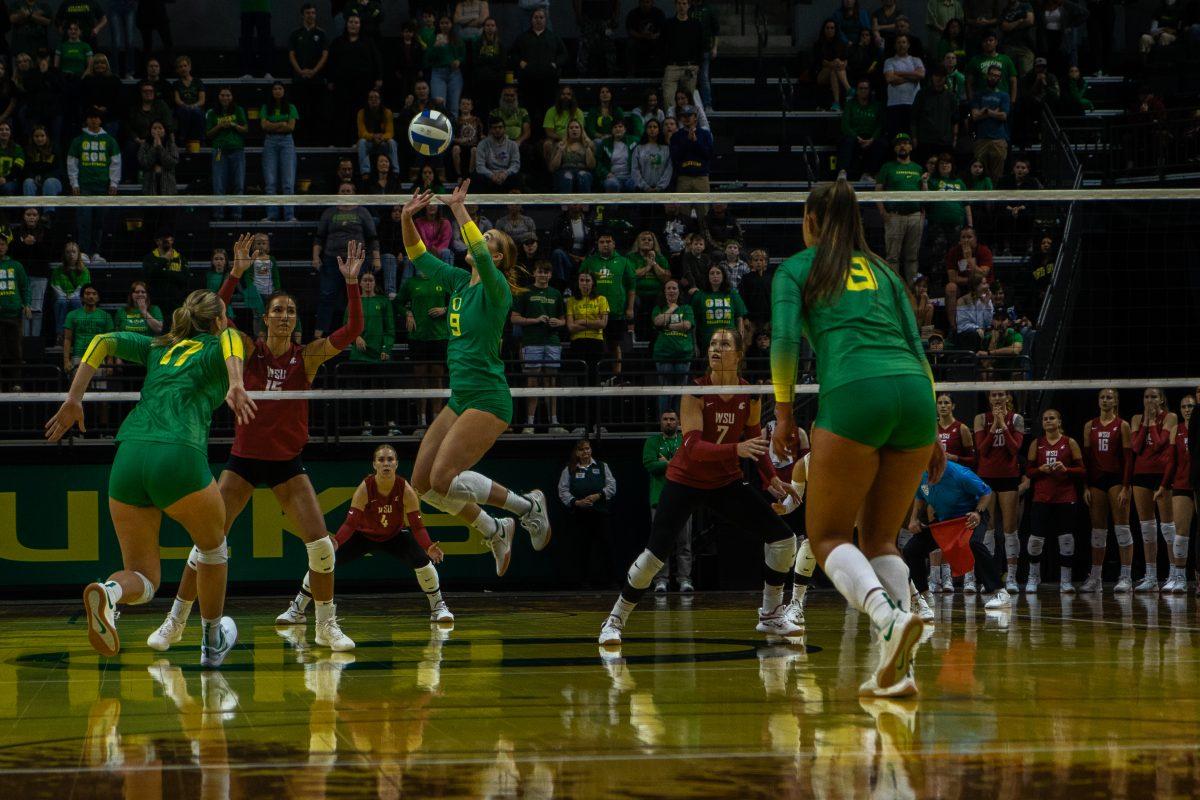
x: 1063, y: 698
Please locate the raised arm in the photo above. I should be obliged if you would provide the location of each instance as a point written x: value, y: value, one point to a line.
x: 318, y: 351
x: 495, y: 283
x: 429, y: 264
x: 234, y: 353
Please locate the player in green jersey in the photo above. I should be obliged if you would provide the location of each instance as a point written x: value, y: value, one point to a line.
x: 874, y: 434
x: 162, y: 463
x: 480, y: 407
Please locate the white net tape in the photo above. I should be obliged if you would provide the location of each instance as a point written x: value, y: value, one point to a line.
x: 616, y: 198
x: 953, y: 387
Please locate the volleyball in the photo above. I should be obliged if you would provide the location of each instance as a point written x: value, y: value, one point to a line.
x: 430, y: 132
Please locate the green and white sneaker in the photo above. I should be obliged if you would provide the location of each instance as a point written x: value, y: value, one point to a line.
x: 218, y: 641
x: 536, y: 521
x: 101, y: 619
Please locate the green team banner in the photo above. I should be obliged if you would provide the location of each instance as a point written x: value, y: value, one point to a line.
x: 55, y: 529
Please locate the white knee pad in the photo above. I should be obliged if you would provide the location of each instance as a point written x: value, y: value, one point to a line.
x: 427, y: 576
x: 443, y: 503
x: 1168, y: 532
x: 321, y: 555
x: 1034, y: 545
x: 779, y: 556
x: 1149, y: 532
x: 1179, y: 548
x: 147, y: 591
x: 1012, y: 546
x: 218, y: 555
x: 1124, y: 536
x: 903, y: 538
x: 1099, y: 538
x: 193, y: 557
x: 643, y: 570
x: 470, y: 487
x: 806, y: 562
x: 306, y: 585
x: 1066, y: 544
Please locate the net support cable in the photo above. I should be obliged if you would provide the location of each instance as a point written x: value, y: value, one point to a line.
x: 950, y: 387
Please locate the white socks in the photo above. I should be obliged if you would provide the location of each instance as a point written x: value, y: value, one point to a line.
x: 324, y: 610
x: 518, y: 504
x: 851, y: 573
x: 893, y: 574
x: 485, y: 524
x: 428, y: 578
x: 113, y: 590
x: 622, y: 609
x: 181, y: 610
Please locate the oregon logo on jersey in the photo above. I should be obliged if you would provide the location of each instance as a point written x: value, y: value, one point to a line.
x: 860, y: 277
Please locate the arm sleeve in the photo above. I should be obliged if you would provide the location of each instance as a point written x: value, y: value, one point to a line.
x: 700, y: 450
x: 968, y: 459
x: 125, y: 346
x: 766, y: 470
x: 1013, y: 439
x: 343, y: 336
x: 417, y: 526
x: 650, y: 458
x: 228, y: 287
x: 495, y: 284
x: 787, y: 307
x: 564, y: 488
x: 347, y: 529
x: 610, y: 484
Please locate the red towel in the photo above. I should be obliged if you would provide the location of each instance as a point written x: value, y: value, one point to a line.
x: 954, y: 537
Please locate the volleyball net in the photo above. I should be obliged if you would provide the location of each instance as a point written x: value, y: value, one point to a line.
x: 1096, y: 288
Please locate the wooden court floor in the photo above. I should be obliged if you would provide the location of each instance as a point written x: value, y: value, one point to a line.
x: 1062, y: 698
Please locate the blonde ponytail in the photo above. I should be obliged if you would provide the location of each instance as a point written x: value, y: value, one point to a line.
x: 198, y: 314
x: 841, y: 234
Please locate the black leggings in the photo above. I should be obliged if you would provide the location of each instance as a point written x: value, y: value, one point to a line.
x: 737, y: 503
x: 402, y: 546
x: 917, y: 551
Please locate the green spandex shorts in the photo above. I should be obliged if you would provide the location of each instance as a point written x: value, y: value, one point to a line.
x: 896, y: 411
x: 495, y: 401
x: 157, y: 474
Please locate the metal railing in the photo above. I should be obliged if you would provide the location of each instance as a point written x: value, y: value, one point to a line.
x: 1137, y: 148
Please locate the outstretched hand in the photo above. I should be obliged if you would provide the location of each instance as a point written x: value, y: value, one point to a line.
x: 69, y: 414
x: 350, y: 265
x: 459, y: 196
x: 241, y: 254
x: 239, y: 401
x: 417, y: 204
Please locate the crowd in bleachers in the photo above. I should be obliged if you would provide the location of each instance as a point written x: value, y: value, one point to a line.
x: 951, y: 113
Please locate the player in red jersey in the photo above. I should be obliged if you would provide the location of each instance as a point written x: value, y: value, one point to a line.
x: 383, y: 506
x: 1055, y: 467
x: 719, y: 430
x: 1108, y: 458
x: 1151, y: 442
x: 959, y: 443
x: 267, y: 451
x: 1177, y: 484
x: 999, y: 435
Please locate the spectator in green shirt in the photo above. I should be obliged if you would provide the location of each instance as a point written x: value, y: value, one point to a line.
x: 863, y: 149
x: 657, y: 452
x: 278, y: 119
x: 554, y: 125
x: 444, y: 60
x: 87, y: 14
x: 424, y: 301
x: 93, y: 168
x: 718, y: 306
x: 73, y: 56
x: 379, y: 324
x: 12, y: 161
x: 675, y: 345
x: 83, y: 325
x: 539, y: 314
x: 139, y: 315
x: 67, y: 281
x: 225, y: 126
x: 615, y: 281
x: 945, y: 219
x: 15, y: 307
x: 977, y: 70
x: 902, y: 222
